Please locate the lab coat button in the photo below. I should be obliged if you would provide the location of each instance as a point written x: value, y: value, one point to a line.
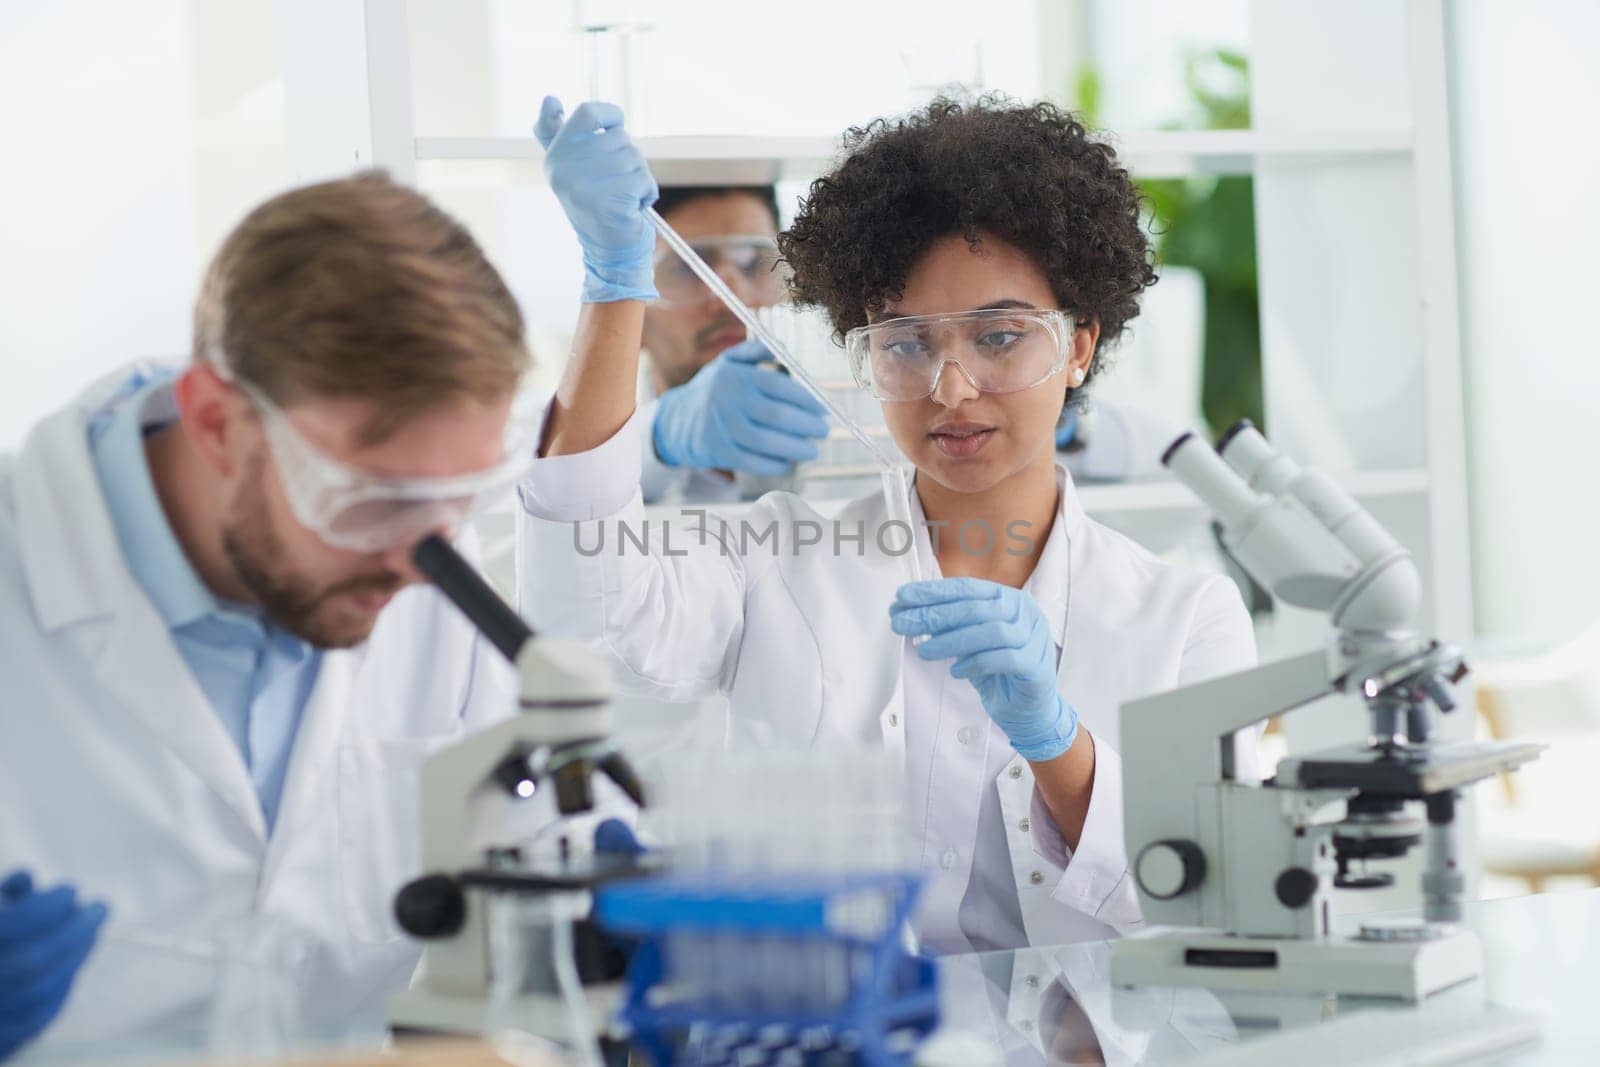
x: 1037, y: 878
x: 1032, y: 981
x: 894, y: 720
x: 1024, y: 824
x: 1015, y: 772
x: 966, y: 735
x: 948, y: 860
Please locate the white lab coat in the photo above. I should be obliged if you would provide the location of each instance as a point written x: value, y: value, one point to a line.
x: 116, y: 775
x: 800, y: 642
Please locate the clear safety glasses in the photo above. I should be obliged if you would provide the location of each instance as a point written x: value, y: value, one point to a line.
x: 749, y: 263
x: 362, y: 512
x: 999, y: 351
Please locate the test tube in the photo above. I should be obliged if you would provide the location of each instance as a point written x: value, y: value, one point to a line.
x: 897, y: 498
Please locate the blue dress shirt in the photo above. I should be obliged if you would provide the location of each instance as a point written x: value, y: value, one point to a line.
x: 256, y: 676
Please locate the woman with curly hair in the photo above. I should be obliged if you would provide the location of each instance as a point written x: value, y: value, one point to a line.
x: 976, y: 261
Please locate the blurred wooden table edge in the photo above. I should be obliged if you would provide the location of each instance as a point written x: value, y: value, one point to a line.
x: 415, y: 1052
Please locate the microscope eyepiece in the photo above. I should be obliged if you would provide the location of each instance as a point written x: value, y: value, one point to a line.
x: 1172, y: 449
x: 467, y: 590
x: 1233, y: 431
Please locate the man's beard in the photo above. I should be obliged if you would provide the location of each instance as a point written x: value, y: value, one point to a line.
x: 290, y: 600
x: 703, y: 352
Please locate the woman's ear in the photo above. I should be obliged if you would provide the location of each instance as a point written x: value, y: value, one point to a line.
x: 1084, y: 340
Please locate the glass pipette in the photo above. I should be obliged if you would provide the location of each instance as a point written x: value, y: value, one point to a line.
x: 896, y: 484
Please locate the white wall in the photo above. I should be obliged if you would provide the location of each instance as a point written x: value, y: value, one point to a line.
x: 97, y: 258
x: 1138, y: 48
x: 1526, y: 160
x: 240, y: 154
x: 136, y: 134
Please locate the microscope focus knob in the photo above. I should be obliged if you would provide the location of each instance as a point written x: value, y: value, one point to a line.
x: 431, y: 906
x: 1171, y: 868
x: 1295, y: 887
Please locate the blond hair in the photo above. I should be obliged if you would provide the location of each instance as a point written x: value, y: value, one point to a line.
x: 361, y: 288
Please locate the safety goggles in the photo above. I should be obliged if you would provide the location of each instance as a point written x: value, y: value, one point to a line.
x: 750, y: 264
x: 361, y: 512
x: 997, y: 350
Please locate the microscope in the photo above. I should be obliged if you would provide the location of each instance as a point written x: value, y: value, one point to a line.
x: 1246, y: 871
x: 509, y: 943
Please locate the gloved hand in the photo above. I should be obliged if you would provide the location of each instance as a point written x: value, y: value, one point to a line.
x: 734, y: 415
x: 613, y: 837
x: 604, y: 185
x: 1001, y: 642
x: 44, y: 939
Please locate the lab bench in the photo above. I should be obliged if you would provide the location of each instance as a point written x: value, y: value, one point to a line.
x: 1058, y: 1005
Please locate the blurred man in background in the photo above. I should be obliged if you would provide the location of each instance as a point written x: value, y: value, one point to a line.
x: 712, y: 407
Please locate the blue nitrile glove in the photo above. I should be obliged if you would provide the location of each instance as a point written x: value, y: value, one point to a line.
x: 44, y: 939
x: 604, y: 185
x: 615, y: 838
x: 1001, y: 642
x: 734, y: 415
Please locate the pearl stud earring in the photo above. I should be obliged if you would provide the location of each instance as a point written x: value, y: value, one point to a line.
x: 1077, y: 376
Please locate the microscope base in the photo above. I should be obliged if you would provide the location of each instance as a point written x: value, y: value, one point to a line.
x: 1403, y: 970
x: 422, y: 1010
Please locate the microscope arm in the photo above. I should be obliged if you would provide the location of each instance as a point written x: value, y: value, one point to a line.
x: 1177, y: 742
x: 1188, y: 732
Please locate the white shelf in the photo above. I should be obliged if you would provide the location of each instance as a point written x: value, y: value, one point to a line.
x: 1161, y: 499
x: 1171, y: 496
x: 680, y: 160
x: 738, y: 160
x: 1178, y: 153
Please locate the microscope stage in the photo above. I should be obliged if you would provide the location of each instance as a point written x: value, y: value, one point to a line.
x: 1422, y: 771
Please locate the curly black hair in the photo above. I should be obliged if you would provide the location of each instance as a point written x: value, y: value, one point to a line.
x: 1031, y: 175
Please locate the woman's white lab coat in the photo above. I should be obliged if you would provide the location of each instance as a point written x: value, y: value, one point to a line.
x: 116, y: 775
x: 798, y: 637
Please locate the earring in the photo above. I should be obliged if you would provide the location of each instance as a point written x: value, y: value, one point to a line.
x: 1077, y: 376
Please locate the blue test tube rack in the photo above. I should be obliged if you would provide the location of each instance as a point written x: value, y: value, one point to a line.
x: 789, y: 971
